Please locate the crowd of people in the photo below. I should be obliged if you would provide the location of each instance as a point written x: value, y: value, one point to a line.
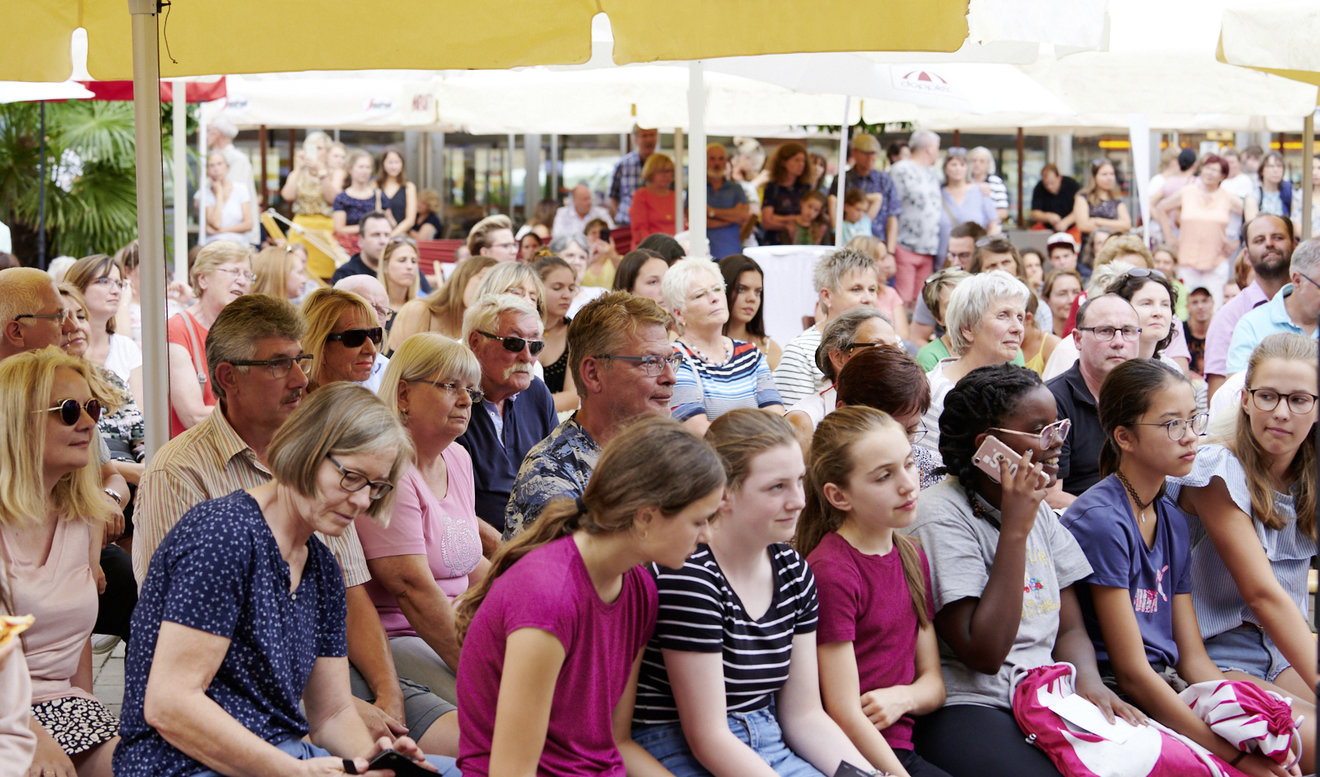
x: 569, y: 512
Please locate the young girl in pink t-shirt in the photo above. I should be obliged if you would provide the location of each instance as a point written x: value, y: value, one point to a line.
x: 887, y: 299
x: 879, y: 664
x: 553, y: 636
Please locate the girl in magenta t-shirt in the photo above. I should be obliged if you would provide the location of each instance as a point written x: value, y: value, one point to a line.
x: 879, y: 663
x: 553, y: 636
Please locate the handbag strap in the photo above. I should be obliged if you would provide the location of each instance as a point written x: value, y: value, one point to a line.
x: 188, y: 323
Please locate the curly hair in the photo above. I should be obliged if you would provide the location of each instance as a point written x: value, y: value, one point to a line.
x: 1132, y: 281
x: 980, y: 400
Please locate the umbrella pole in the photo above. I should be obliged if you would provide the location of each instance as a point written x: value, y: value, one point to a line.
x: 41, y: 192
x: 1308, y: 151
x: 841, y: 174
x: 151, y: 232
x: 698, y: 245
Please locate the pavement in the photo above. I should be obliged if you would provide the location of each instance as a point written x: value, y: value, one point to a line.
x: 108, y: 677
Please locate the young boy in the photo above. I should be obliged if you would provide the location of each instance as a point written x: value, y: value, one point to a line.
x: 857, y: 214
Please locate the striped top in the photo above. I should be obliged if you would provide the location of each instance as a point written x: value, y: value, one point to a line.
x: 742, y: 380
x: 797, y: 375
x: 701, y: 613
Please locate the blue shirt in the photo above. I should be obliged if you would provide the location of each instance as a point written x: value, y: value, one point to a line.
x: 724, y: 240
x: 874, y: 182
x: 558, y: 466
x: 1261, y: 322
x: 1102, y: 522
x: 220, y: 571
x: 497, y: 454
x: 626, y: 179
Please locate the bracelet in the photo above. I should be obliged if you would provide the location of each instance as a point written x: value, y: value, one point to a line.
x: 115, y: 495
x: 1241, y: 754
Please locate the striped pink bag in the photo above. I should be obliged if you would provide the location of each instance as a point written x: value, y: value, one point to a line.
x: 1250, y: 717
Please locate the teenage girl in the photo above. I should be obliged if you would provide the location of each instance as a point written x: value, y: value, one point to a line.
x: 553, y: 635
x: 879, y: 664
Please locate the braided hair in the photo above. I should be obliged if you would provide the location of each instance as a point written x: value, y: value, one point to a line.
x: 980, y: 400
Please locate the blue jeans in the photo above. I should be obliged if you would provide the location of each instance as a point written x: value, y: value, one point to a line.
x: 758, y: 730
x: 305, y: 751
x: 1247, y: 649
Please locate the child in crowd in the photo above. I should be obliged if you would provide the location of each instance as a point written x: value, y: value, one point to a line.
x: 808, y: 226
x: 887, y: 300
x: 1137, y: 601
x: 554, y: 632
x: 858, y: 213
x: 879, y: 663
x: 730, y: 678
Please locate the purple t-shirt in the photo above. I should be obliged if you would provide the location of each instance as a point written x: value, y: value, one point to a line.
x: 864, y: 600
x: 550, y: 589
x: 443, y: 530
x: 1101, y: 521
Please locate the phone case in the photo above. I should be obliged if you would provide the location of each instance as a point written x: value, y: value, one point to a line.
x: 400, y: 764
x: 988, y: 456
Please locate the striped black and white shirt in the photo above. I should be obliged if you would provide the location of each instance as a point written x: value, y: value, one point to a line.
x: 699, y: 612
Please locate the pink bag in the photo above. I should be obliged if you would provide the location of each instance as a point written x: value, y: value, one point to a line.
x: 1251, y: 718
x: 1075, y: 735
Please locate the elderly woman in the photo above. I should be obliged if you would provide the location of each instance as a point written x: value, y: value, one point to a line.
x: 343, y: 333
x: 856, y: 330
x: 51, y: 520
x: 423, y: 559
x: 428, y: 219
x: 982, y: 168
x: 100, y: 278
x: 717, y: 373
x: 1205, y: 210
x: 442, y: 310
x: 312, y: 188
x: 242, y: 614
x: 221, y: 274
x: 985, y: 322
x: 227, y: 208
x: 652, y: 207
x: 281, y: 271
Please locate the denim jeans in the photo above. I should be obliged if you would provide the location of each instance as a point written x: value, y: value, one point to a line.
x: 305, y: 751
x: 758, y: 730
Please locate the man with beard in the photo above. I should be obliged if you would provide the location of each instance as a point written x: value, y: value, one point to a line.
x: 1269, y: 249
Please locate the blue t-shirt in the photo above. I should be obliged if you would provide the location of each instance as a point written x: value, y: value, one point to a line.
x: 1101, y: 520
x: 529, y: 417
x: 220, y: 571
x: 724, y: 240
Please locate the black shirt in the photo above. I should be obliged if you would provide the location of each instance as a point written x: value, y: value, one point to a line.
x: 1079, y: 463
x: 356, y: 266
x: 1061, y: 203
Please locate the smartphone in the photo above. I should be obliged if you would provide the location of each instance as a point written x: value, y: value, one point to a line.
x: 991, y: 452
x: 848, y: 770
x: 401, y: 765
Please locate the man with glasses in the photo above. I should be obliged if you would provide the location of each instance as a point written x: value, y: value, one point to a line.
x: 1108, y: 333
x: 257, y: 368
x: 1295, y: 309
x: 33, y: 315
x: 624, y: 369
x: 373, y: 237
x: 505, y: 333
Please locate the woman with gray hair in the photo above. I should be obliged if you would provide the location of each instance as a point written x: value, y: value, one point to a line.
x: 718, y: 373
x: 857, y: 329
x: 982, y: 164
x: 985, y: 321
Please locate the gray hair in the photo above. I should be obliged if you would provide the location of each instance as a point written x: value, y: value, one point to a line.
x: 922, y: 139
x: 561, y: 242
x: 510, y: 275
x: 985, y: 152
x: 485, y: 313
x: 832, y: 267
x: 681, y: 274
x: 1307, y: 257
x: 1106, y: 274
x: 972, y: 299
x: 842, y: 331
x: 245, y: 322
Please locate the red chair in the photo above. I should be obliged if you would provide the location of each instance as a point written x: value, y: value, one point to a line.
x: 623, y: 239
x: 431, y: 253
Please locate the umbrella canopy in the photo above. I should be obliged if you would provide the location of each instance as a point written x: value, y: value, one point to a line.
x: 1278, y: 38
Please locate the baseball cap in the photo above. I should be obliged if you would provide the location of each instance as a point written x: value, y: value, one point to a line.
x: 1061, y: 239
x: 865, y: 142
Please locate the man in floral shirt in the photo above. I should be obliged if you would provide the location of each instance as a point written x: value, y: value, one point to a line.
x: 919, y: 221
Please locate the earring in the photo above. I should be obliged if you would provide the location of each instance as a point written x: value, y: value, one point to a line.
x: 403, y: 416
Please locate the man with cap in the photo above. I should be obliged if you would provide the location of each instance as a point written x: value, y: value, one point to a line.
x: 1061, y: 250
x: 879, y: 187
x: 1053, y: 200
x: 220, y: 134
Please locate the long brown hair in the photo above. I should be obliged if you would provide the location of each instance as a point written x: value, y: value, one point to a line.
x: 741, y: 435
x: 655, y: 462
x: 1254, y: 460
x: 832, y: 462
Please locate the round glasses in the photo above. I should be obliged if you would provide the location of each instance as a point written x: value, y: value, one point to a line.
x: 1299, y: 402
x: 1052, y: 435
x: 70, y: 411
x: 1177, y: 428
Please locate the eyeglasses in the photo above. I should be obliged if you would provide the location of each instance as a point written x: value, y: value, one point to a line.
x: 353, y: 482
x: 916, y: 435
x: 1312, y: 281
x: 402, y: 239
x: 383, y: 312
x: 70, y: 411
x: 1052, y: 435
x: 506, y: 246
x: 958, y: 256
x: 279, y: 367
x: 516, y: 344
x: 353, y: 338
x: 237, y: 273
x: 1299, y: 402
x: 1106, y: 333
x: 60, y: 316
x: 651, y: 365
x: 1177, y: 428
x: 110, y: 283
x: 956, y: 151
x: 475, y: 395
x: 850, y: 347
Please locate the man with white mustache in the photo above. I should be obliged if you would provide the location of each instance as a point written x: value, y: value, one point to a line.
x: 505, y: 333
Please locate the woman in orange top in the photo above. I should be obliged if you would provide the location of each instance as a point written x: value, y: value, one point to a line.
x: 1204, y: 211
x: 652, y: 208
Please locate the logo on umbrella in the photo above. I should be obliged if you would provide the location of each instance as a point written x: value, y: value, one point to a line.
x: 924, y: 81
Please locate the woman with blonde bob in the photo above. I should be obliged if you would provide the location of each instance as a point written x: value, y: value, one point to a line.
x: 52, y: 514
x: 242, y: 614
x: 343, y: 334
x: 553, y: 635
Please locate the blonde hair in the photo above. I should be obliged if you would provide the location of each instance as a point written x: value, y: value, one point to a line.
x: 446, y: 302
x: 832, y: 461
x: 1123, y: 245
x: 483, y: 232
x: 424, y: 356
x: 212, y: 256
x: 272, y: 266
x: 88, y: 270
x: 506, y: 276
x: 29, y: 379
x: 110, y: 396
x: 740, y: 435
x: 656, y: 163
x: 381, y: 271
x: 322, y: 310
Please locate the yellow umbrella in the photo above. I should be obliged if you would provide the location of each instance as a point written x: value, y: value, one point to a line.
x: 247, y: 36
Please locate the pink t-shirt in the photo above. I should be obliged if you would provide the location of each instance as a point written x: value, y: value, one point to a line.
x: 443, y: 530
x: 888, y: 301
x: 17, y: 742
x: 550, y: 589
x: 864, y: 600
x: 62, y: 595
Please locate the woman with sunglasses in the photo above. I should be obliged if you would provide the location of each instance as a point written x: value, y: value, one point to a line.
x: 343, y: 335
x: 241, y: 622
x: 1137, y: 601
x: 985, y: 535
x: 1252, y: 494
x: 100, y: 279
x: 52, y: 515
x: 426, y: 556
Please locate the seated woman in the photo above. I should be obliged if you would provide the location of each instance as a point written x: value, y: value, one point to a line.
x: 242, y: 614
x: 553, y: 636
x: 935, y: 294
x: 879, y: 664
x: 400, y: 274
x: 641, y: 272
x: 1253, y: 495
x: 101, y: 281
x: 425, y: 557
x: 573, y: 249
x: 886, y: 378
x: 343, y: 333
x: 428, y: 219
x: 729, y: 679
x: 985, y: 536
x: 1061, y: 289
x: 843, y: 338
x: 281, y: 272
x: 226, y: 207
x: 744, y: 291
x: 652, y: 210
x: 442, y: 310
x: 560, y: 284
x: 1147, y: 641
x: 718, y: 374
x: 51, y: 520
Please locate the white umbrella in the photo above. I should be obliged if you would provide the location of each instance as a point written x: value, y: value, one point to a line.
x: 27, y: 91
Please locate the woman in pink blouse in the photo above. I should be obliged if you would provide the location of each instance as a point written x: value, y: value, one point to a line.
x: 431, y: 547
x: 1204, y: 211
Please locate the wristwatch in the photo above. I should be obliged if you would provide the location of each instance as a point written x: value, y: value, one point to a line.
x: 115, y: 495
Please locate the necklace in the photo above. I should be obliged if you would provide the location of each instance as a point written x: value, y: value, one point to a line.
x: 1132, y: 492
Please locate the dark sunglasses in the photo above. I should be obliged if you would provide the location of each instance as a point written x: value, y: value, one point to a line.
x: 70, y: 411
x: 352, y: 338
x: 516, y: 344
